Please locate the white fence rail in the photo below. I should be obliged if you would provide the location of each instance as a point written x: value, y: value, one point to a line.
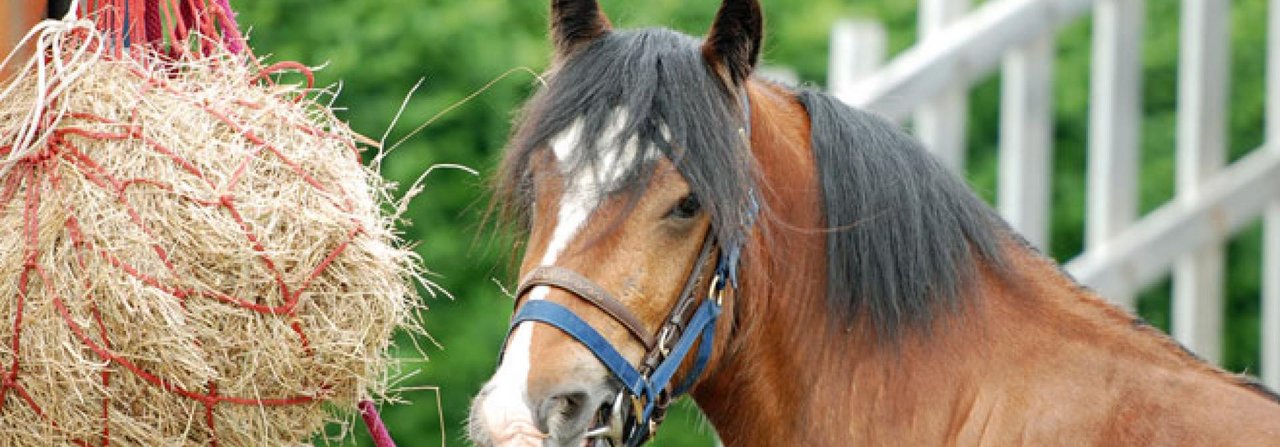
x: 1123, y: 253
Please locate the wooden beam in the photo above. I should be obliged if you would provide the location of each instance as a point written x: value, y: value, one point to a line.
x: 1271, y: 291
x: 1203, y: 72
x: 974, y: 46
x: 1271, y: 222
x: 1115, y: 120
x: 1145, y: 251
x: 1026, y: 140
x: 857, y: 50
x: 940, y: 123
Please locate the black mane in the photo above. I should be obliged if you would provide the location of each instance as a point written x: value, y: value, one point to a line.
x: 906, y: 234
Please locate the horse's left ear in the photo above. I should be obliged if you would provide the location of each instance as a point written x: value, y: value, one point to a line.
x: 733, y: 45
x: 576, y: 22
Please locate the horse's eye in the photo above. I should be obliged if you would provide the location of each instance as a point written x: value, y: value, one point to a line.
x: 686, y: 208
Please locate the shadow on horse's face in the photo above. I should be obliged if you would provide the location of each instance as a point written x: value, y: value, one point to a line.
x: 639, y: 247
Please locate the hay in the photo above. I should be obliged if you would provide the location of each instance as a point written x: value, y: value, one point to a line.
x: 191, y: 255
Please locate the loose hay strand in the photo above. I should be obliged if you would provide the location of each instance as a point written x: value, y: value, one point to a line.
x: 201, y: 256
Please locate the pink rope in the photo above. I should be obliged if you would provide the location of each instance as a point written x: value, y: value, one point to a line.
x: 373, y: 422
x: 231, y: 30
x: 148, y: 21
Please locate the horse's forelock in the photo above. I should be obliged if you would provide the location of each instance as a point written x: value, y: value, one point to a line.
x: 670, y: 104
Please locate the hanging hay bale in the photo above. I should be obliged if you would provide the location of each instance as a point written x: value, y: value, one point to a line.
x: 193, y: 254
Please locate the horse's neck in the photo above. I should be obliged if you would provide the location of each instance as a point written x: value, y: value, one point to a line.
x: 1032, y: 359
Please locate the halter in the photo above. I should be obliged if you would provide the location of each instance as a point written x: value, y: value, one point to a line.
x: 648, y: 390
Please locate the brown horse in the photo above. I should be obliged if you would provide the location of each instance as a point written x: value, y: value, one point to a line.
x: 878, y: 301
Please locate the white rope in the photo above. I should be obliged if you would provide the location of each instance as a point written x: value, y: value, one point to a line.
x: 55, y: 69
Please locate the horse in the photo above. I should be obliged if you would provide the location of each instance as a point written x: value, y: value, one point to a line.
x: 805, y: 271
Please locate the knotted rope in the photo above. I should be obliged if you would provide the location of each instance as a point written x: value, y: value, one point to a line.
x: 148, y: 31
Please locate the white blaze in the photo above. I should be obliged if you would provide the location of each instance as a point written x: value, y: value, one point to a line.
x: 506, y: 404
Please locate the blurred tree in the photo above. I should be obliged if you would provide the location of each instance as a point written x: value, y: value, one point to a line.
x: 379, y: 49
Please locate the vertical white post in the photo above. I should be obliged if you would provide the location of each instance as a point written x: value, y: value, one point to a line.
x: 1271, y: 264
x: 1271, y: 232
x: 1115, y: 117
x: 857, y: 50
x: 940, y: 124
x: 1026, y: 139
x: 1203, y: 72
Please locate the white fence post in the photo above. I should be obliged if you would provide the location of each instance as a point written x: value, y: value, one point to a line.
x: 1115, y: 118
x: 940, y: 124
x: 1026, y: 139
x: 857, y: 50
x: 1271, y: 280
x: 1271, y: 232
x: 1203, y: 74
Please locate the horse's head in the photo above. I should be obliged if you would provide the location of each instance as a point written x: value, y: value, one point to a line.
x: 631, y: 173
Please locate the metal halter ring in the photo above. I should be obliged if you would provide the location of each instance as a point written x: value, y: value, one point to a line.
x: 664, y: 337
x: 613, y: 432
x: 716, y: 290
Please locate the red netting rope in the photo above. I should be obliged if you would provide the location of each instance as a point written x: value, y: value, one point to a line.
x: 36, y: 173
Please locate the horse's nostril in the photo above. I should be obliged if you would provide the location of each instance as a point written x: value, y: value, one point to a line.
x: 565, y: 412
x: 571, y: 403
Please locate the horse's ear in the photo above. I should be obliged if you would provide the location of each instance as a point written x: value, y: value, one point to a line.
x: 733, y: 45
x: 574, y: 22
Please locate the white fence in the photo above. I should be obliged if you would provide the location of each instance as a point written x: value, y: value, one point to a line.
x: 1123, y: 253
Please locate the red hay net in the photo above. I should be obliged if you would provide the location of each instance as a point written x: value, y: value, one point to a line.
x: 155, y: 30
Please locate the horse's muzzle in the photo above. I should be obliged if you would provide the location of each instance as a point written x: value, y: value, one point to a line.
x: 568, y: 418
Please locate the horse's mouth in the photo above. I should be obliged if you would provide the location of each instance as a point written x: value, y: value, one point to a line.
x: 606, y: 427
x: 595, y: 435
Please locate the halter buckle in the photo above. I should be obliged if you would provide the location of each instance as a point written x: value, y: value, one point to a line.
x: 637, y: 407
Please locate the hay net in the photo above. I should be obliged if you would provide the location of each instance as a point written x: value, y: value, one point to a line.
x: 193, y: 253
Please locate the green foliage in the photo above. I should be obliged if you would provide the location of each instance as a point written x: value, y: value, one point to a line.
x: 378, y: 50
